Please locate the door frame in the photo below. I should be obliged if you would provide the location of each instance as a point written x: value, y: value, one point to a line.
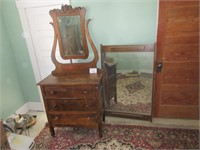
x: 22, y: 6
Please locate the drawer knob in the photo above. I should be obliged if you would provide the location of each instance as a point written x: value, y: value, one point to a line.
x: 52, y: 92
x: 84, y: 92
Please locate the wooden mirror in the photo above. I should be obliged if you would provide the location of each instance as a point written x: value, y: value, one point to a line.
x: 69, y: 27
x: 128, y: 80
x: 71, y: 34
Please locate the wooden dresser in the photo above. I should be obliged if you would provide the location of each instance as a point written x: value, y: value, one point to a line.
x: 73, y: 101
x: 110, y: 82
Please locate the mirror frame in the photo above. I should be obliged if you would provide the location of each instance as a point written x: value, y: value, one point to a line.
x: 73, y: 67
x: 127, y: 48
x: 67, y: 10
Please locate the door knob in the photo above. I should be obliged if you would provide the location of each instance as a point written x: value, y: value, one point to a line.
x: 159, y: 67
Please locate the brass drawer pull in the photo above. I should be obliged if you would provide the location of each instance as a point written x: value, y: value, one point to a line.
x: 52, y: 92
x: 84, y: 92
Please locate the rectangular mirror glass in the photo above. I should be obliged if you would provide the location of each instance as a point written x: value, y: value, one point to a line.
x: 134, y: 81
x: 71, y: 36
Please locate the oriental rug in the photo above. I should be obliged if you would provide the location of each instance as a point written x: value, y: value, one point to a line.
x: 118, y: 137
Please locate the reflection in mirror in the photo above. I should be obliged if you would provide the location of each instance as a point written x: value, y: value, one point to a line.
x: 134, y: 79
x: 71, y: 35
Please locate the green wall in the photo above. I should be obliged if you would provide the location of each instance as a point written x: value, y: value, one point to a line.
x: 18, y: 85
x: 122, y: 22
x: 133, y: 61
x: 11, y: 93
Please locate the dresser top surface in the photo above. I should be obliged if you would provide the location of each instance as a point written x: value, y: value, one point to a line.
x: 92, y: 79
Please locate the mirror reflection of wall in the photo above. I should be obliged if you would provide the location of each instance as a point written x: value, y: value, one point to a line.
x: 134, y: 81
x: 71, y: 36
x: 132, y: 61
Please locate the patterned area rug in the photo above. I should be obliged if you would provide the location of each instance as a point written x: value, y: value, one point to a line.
x: 118, y: 137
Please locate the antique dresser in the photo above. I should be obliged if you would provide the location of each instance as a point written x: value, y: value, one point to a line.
x: 72, y: 93
x: 73, y: 101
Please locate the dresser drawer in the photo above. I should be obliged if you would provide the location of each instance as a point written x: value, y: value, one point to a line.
x: 74, y: 119
x: 59, y: 92
x: 71, y: 105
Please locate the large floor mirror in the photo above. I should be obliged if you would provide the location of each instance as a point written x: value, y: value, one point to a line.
x: 128, y: 80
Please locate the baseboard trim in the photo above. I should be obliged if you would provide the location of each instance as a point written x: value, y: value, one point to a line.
x: 35, y: 106
x: 183, y: 123
x: 23, y: 109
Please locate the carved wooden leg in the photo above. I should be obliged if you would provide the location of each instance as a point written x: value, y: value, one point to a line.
x: 52, y: 130
x: 100, y: 130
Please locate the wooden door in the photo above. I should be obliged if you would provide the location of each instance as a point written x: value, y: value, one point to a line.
x: 177, y: 83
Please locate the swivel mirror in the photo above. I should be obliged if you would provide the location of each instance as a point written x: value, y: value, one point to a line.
x: 71, y: 34
x: 69, y: 26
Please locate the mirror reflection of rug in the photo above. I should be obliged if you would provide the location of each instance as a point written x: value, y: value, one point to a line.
x: 118, y: 137
x: 140, y: 108
x: 134, y: 94
x: 133, y: 87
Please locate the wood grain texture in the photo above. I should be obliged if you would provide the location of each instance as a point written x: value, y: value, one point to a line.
x: 174, y: 111
x: 180, y: 95
x: 181, y: 53
x: 177, y: 86
x: 180, y: 73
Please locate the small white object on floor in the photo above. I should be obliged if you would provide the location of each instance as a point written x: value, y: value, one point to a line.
x: 19, y: 142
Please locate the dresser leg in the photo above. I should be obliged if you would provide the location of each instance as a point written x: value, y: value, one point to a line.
x: 100, y: 130
x: 52, y: 130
